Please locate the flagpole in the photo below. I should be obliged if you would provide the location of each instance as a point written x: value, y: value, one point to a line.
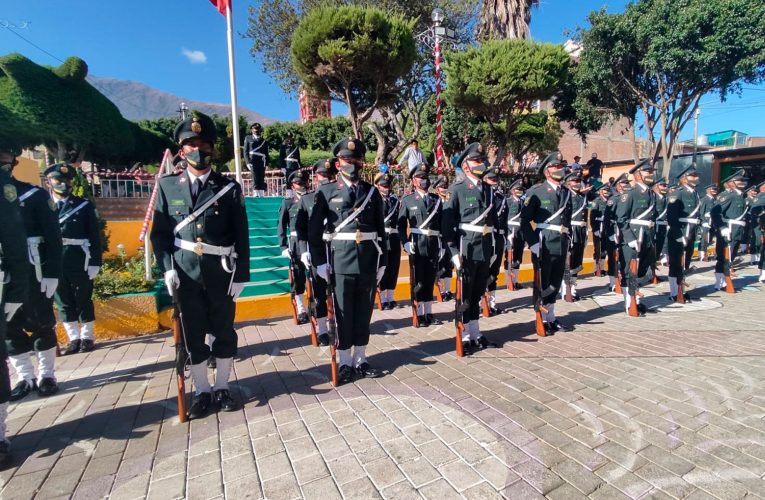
x: 232, y: 84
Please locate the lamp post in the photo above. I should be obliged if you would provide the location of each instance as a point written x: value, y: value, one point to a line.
x: 183, y: 109
x: 434, y: 37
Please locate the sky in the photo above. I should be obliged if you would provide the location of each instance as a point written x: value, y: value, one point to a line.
x: 179, y: 46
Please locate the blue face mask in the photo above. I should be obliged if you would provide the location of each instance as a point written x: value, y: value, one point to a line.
x: 199, y: 159
x: 62, y: 189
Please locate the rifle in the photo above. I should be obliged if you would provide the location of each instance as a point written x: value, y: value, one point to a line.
x: 181, y: 358
x: 729, y: 287
x: 291, y: 273
x: 485, y: 303
x: 617, y: 271
x: 378, y: 299
x: 569, y: 297
x: 536, y: 296
x: 311, y: 306
x: 633, y: 282
x: 439, y: 293
x: 332, y: 320
x: 414, y: 287
x: 598, y: 245
x: 459, y: 308
x: 680, y: 299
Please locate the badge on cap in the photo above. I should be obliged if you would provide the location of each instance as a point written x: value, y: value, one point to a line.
x: 63, y: 169
x: 196, y: 127
x: 351, y: 145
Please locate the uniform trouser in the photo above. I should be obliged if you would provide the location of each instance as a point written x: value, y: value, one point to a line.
x: 207, y: 310
x: 496, y: 265
x: 610, y: 249
x: 675, y: 251
x: 390, y: 278
x: 761, y: 265
x: 722, y: 265
x: 298, y: 276
x: 705, y: 238
x: 598, y: 250
x: 515, y: 243
x: 319, y: 293
x: 551, y: 268
x: 5, y: 376
x: 424, y: 275
x: 661, y: 241
x: 74, y: 297
x: 445, y: 263
x: 627, y: 253
x: 577, y: 254
x: 258, y: 177
x: 474, y: 280
x: 354, y: 298
x: 33, y: 326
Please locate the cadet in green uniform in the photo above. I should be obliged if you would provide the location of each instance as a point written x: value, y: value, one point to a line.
x: 683, y: 217
x: 441, y: 185
x: 288, y: 239
x: 324, y: 173
x: 419, y: 227
x: 289, y: 158
x: 468, y: 223
x: 346, y: 237
x: 391, y: 205
x: 661, y: 191
x: 548, y: 205
x: 491, y: 178
x: 705, y: 230
x: 514, y: 236
x: 200, y: 240
x: 635, y: 217
x: 578, y: 234
x: 597, y: 225
x: 33, y: 329
x: 256, y: 156
x: 728, y: 219
x: 14, y: 282
x: 81, y: 259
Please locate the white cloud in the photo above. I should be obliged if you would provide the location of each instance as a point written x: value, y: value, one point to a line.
x: 194, y: 56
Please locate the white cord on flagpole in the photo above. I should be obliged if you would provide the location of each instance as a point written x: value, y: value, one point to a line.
x: 232, y: 84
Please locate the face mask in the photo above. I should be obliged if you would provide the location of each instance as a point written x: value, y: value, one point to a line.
x: 649, y: 179
x: 61, y: 189
x: 557, y: 175
x: 350, y: 172
x: 199, y: 159
x: 300, y: 189
x: 424, y: 184
x: 384, y: 190
x: 479, y: 170
x: 693, y: 181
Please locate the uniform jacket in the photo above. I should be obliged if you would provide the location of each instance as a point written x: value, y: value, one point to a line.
x: 513, y: 216
x: 683, y: 204
x: 413, y: 212
x: 253, y: 148
x: 730, y: 206
x: 638, y: 202
x: 578, y: 214
x: 82, y: 225
x: 597, y: 217
x: 333, y: 203
x: 286, y: 225
x: 39, y: 214
x: 500, y: 231
x: 13, y: 245
x: 303, y: 216
x: 543, y: 201
x: 705, y: 212
x: 391, y: 208
x: 224, y: 223
x: 289, y: 157
x: 466, y: 203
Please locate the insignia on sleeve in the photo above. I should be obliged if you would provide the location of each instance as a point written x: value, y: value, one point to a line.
x: 528, y: 200
x: 9, y: 191
x: 672, y: 199
x: 624, y: 197
x: 51, y: 204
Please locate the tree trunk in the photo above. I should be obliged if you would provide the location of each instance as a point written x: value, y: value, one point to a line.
x: 505, y: 19
x: 635, y: 152
x: 382, y: 141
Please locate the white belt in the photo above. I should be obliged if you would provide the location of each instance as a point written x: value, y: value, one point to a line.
x: 599, y: 219
x: 706, y: 225
x: 553, y: 227
x: 662, y: 222
x: 293, y: 234
x: 200, y: 248
x: 358, y: 236
x: 475, y: 228
x: 641, y: 222
x: 578, y: 223
x: 736, y: 222
x: 425, y: 232
x: 391, y: 230
x: 500, y: 231
x: 33, y: 249
x: 689, y: 220
x: 82, y: 243
x: 514, y: 223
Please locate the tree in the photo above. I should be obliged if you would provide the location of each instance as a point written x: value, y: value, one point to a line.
x: 505, y: 19
x: 499, y: 80
x: 354, y: 55
x: 660, y: 57
x: 538, y: 134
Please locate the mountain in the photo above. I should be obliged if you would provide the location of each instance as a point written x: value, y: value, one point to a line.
x: 137, y: 101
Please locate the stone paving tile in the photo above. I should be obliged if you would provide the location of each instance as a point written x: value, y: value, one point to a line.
x: 666, y: 406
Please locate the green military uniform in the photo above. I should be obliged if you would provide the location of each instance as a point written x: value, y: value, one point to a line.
x: 200, y: 239
x: 728, y: 218
x: 500, y: 238
x: 548, y: 205
x: 326, y: 169
x: 635, y: 217
x: 256, y: 156
x: 660, y: 233
x: 598, y: 226
x: 515, y: 241
x: 419, y: 227
x: 706, y: 231
x: 391, y: 206
x: 14, y: 283
x: 752, y: 241
x: 468, y: 223
x: 346, y: 237
x: 289, y: 156
x: 758, y: 213
x: 578, y: 234
x: 33, y: 328
x: 445, y: 265
x: 81, y: 259
x: 286, y: 233
x: 683, y: 218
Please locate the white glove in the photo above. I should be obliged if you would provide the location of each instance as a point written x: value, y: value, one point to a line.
x: 48, y: 286
x: 408, y: 248
x: 305, y: 258
x: 725, y: 232
x: 596, y: 233
x: 534, y: 249
x: 323, y: 272
x: 634, y: 244
x: 612, y: 238
x: 457, y: 262
x: 236, y: 290
x: 286, y: 253
x: 249, y: 165
x: 172, y: 281
x: 93, y: 271
x: 10, y: 310
x: 380, y: 273
x: 441, y: 254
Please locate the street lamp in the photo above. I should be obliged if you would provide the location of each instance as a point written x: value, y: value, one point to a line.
x: 183, y: 109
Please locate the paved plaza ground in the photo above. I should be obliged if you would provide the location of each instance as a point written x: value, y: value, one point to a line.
x: 667, y: 406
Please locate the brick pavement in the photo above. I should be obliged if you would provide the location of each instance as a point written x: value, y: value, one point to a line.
x: 667, y: 406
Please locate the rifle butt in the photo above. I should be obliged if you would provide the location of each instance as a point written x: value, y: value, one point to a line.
x: 415, y: 320
x: 459, y: 350
x: 485, y: 302
x: 183, y: 414
x: 333, y: 365
x: 378, y: 299
x: 655, y: 277
x: 539, y: 324
x: 314, y: 336
x: 437, y: 288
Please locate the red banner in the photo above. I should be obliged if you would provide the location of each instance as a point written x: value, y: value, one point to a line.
x: 221, y: 5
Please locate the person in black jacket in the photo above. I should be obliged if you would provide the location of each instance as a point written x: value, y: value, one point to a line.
x: 391, y: 204
x: 256, y: 156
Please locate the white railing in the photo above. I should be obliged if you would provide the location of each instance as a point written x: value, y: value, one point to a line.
x: 123, y: 187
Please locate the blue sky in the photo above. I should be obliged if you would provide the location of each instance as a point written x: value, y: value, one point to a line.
x: 179, y: 46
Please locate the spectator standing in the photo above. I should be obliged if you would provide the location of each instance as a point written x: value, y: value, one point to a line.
x: 413, y: 156
x: 595, y: 168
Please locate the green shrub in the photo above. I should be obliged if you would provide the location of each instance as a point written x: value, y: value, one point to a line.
x: 119, y: 276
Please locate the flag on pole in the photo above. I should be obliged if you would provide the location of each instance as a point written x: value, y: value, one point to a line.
x: 221, y: 5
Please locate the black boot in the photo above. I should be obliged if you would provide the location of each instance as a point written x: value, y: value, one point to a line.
x: 22, y: 390
x: 324, y: 339
x: 47, y: 387
x: 73, y: 347
x: 432, y: 320
x: 224, y: 400
x: 302, y: 318
x: 199, y: 405
x: 87, y: 345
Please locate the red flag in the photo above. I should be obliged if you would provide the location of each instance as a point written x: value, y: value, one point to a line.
x: 221, y: 5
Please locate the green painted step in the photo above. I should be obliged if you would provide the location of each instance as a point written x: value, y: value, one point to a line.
x: 268, y: 269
